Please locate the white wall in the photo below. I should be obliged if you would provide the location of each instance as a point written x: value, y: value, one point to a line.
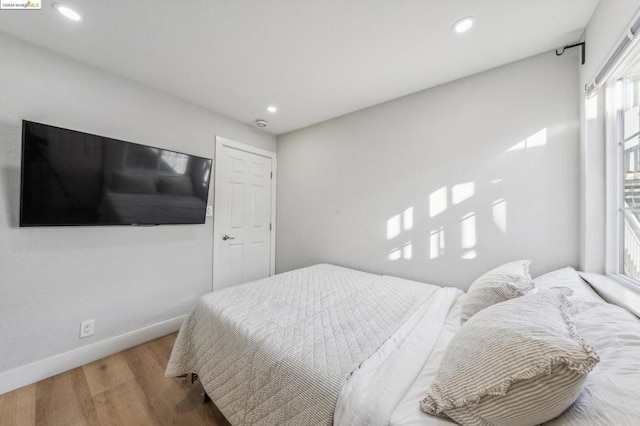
x: 124, y: 277
x: 607, y: 24
x: 344, y: 185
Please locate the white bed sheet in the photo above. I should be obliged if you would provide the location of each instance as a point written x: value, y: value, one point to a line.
x: 374, y: 390
x: 408, y: 412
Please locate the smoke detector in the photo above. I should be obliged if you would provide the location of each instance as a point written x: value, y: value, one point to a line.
x: 261, y: 123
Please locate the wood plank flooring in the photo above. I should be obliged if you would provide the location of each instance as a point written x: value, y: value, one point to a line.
x: 128, y: 388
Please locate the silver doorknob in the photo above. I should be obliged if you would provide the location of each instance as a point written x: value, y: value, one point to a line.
x: 225, y: 237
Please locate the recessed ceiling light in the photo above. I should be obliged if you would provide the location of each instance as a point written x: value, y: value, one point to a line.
x: 67, y: 12
x: 464, y: 25
x: 272, y: 108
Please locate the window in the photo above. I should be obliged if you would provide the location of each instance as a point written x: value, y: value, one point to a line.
x: 629, y: 130
x: 623, y: 111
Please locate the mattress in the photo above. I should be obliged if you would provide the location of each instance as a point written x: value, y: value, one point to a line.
x: 278, y: 351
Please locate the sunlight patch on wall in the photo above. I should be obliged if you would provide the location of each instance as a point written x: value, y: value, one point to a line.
x: 407, y: 251
x: 468, y: 236
x: 395, y: 254
x: 536, y: 140
x: 436, y: 243
x: 496, y: 181
x: 468, y: 231
x: 499, y: 211
x: 393, y: 227
x: 399, y: 223
x: 438, y: 202
x: 407, y: 219
x: 461, y: 192
x: 404, y: 252
x: 469, y: 254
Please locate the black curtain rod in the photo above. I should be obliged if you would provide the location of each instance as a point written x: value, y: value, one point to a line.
x: 570, y: 46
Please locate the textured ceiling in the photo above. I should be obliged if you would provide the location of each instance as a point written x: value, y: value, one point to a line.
x: 314, y: 59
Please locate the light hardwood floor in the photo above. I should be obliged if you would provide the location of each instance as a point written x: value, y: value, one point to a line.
x: 128, y: 388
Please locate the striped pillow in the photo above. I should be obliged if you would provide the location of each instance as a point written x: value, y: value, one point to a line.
x: 520, y: 362
x: 505, y: 282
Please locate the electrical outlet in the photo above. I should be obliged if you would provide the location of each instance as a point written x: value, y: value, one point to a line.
x: 210, y: 211
x: 86, y: 328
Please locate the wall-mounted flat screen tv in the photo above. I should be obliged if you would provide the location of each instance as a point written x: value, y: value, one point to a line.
x: 75, y: 178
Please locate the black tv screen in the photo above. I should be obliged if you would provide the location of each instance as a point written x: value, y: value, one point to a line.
x: 75, y: 178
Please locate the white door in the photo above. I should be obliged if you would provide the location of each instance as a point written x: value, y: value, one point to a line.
x: 243, y: 225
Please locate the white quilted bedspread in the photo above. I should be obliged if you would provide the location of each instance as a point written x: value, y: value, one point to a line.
x: 278, y: 351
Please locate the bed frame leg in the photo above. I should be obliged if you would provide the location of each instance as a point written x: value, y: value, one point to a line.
x: 203, y: 395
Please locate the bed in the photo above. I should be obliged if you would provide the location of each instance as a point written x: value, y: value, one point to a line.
x: 330, y: 345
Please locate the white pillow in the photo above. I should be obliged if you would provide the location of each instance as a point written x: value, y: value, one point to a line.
x: 567, y: 277
x: 505, y: 282
x: 520, y: 362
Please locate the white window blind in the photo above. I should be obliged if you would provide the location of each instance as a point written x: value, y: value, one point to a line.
x: 617, y: 55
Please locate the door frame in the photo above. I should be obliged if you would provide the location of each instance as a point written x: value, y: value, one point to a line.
x: 217, y: 194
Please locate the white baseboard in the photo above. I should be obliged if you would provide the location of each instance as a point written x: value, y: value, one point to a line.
x: 48, y: 367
